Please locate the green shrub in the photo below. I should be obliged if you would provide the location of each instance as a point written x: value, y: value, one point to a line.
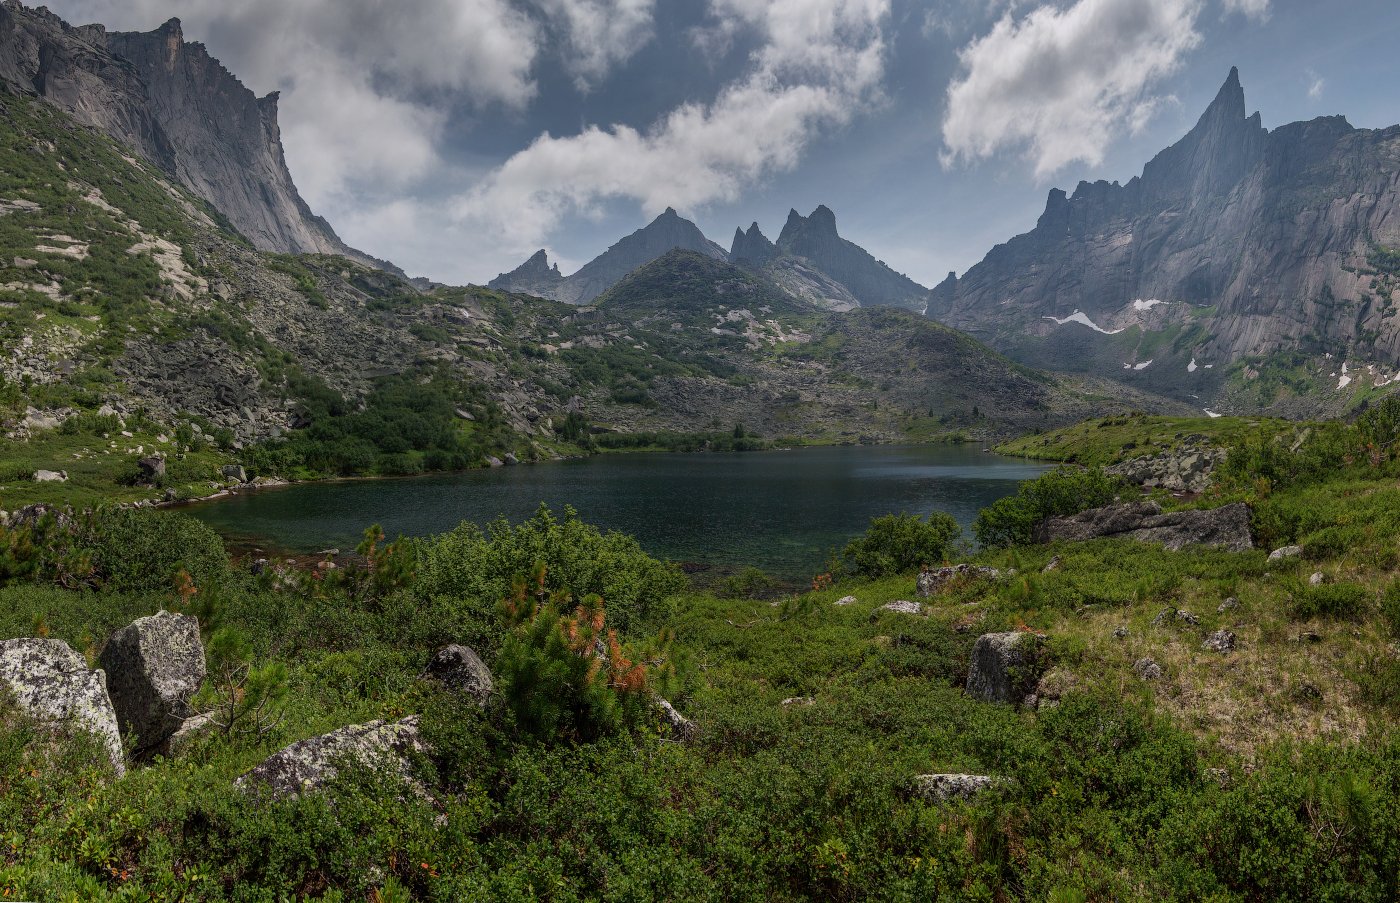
x: 472, y: 570
x: 1335, y: 601
x: 1390, y: 607
x: 140, y: 550
x: 901, y: 543
x: 1066, y: 490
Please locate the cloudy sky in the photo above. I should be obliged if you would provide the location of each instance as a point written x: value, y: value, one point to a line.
x: 455, y: 137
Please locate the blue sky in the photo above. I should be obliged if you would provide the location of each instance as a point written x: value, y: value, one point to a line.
x: 457, y: 136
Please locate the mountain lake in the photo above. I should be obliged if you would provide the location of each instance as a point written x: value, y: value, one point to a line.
x: 781, y: 511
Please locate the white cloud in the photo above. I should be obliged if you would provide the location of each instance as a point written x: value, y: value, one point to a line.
x: 1060, y: 84
x: 599, y: 34
x: 820, y: 62
x: 1316, y: 84
x: 1254, y: 9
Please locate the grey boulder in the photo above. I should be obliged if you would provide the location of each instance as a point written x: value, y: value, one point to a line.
x: 309, y: 765
x: 1285, y: 552
x: 1006, y: 667
x: 942, y: 788
x: 1147, y: 669
x: 152, y: 468
x: 1226, y: 527
x: 460, y: 669
x: 154, y: 666
x: 903, y: 607
x: 53, y: 684
x: 50, y: 476
x: 675, y: 725
x: 1182, y: 470
x: 933, y: 581
x: 1220, y: 641
x: 235, y: 472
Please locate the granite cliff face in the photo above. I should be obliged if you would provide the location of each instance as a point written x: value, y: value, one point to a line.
x: 1236, y: 242
x: 751, y: 248
x: 815, y: 240
x: 180, y: 109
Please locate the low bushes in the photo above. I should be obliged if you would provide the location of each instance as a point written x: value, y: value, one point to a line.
x: 901, y: 543
x: 1066, y: 490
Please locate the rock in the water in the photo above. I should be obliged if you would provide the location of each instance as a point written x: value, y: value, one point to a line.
x: 933, y: 581
x: 1226, y: 527
x: 511, y: 460
x: 235, y: 472
x: 903, y: 607
x: 1005, y: 666
x: 1186, y: 469
x: 460, y: 669
x: 154, y: 666
x: 941, y: 788
x: 1285, y: 552
x: 846, y: 600
x: 152, y: 468
x: 52, y: 683
x: 309, y: 765
x: 1220, y: 641
x: 1147, y: 669
x: 50, y: 476
x: 675, y: 725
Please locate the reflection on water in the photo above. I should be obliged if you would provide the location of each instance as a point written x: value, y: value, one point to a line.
x: 780, y: 511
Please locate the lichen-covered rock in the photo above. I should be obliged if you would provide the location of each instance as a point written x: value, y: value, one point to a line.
x: 1006, y: 666
x: 942, y: 788
x: 53, y: 684
x: 1285, y: 552
x: 1188, y: 469
x: 152, y: 468
x: 1220, y: 641
x: 1147, y: 669
x: 799, y: 701
x: 235, y: 472
x: 50, y: 476
x: 846, y: 600
x: 903, y: 607
x: 1229, y: 604
x: 933, y: 581
x: 461, y: 670
x: 1226, y: 527
x: 154, y: 666
x: 308, y: 765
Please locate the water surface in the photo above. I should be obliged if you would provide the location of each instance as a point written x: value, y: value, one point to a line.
x: 782, y: 511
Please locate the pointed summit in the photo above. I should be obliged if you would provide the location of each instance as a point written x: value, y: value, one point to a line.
x: 751, y: 248
x: 1214, y: 155
x: 870, y: 281
x: 533, y: 277
x: 668, y: 231
x: 823, y: 218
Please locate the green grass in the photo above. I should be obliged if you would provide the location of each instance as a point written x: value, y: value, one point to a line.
x: 1110, y: 440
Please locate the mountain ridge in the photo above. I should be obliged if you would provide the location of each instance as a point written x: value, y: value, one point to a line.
x: 1234, y: 245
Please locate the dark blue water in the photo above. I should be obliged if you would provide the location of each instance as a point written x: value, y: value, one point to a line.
x: 782, y: 511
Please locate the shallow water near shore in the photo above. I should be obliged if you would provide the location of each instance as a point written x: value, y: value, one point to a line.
x: 782, y: 511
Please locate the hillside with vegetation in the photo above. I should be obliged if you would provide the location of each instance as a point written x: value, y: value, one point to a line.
x: 1181, y: 723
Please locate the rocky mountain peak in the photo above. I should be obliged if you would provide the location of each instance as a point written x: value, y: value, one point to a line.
x: 814, y: 238
x: 1215, y: 154
x: 177, y: 106
x: 533, y: 277
x: 751, y: 248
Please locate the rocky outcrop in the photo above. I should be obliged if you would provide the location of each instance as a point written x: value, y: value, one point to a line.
x: 942, y: 788
x: 309, y: 765
x: 814, y: 238
x: 53, y: 684
x: 1226, y: 527
x: 1241, y: 240
x: 533, y: 277
x: 1006, y: 667
x: 1187, y: 469
x: 461, y: 670
x: 932, y: 581
x: 154, y: 667
x: 751, y: 248
x: 180, y: 109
